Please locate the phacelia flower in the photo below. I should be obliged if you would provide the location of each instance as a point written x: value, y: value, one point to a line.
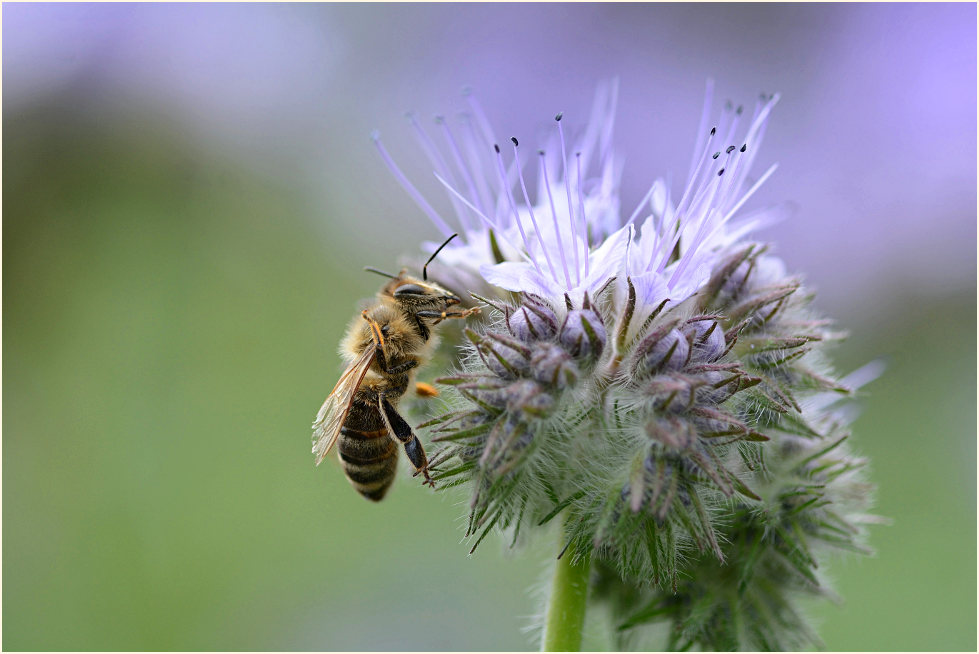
x: 658, y: 382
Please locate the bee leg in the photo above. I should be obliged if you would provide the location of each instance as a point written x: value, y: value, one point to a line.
x: 375, y: 328
x: 400, y: 368
x: 382, y: 359
x: 445, y: 315
x: 402, y: 431
x: 422, y: 329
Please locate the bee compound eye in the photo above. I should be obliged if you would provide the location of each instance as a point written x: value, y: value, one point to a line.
x: 409, y: 289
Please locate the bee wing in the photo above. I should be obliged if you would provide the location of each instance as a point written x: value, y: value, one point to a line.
x: 333, y: 413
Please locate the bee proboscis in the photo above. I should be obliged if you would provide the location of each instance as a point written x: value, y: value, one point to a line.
x: 384, y: 347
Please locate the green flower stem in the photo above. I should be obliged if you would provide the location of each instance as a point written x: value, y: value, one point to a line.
x: 566, y: 606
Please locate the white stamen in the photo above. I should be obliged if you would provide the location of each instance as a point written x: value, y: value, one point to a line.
x: 642, y: 203
x: 457, y: 157
x: 530, y: 208
x: 567, y: 188
x: 409, y: 187
x: 708, y: 192
x: 584, y: 222
x: 751, y: 191
x: 476, y: 163
x: 513, y: 208
x: 661, y: 234
x: 697, y: 171
x: 609, y: 122
x: 489, y: 223
x: 704, y: 116
x: 440, y: 164
x: 557, y: 229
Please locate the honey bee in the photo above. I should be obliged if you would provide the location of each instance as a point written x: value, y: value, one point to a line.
x: 383, y: 348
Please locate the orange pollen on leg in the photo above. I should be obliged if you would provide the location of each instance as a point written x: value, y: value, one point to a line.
x: 425, y: 390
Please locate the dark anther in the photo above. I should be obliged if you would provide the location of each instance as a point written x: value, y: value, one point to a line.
x: 515, y: 141
x: 559, y: 117
x: 497, y: 148
x: 730, y: 149
x: 744, y: 147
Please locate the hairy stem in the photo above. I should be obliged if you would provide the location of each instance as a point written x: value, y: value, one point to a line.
x: 566, y: 606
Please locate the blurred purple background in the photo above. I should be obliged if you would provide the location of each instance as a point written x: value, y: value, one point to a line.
x: 875, y: 135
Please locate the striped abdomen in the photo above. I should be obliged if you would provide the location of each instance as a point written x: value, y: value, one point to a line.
x: 368, y: 453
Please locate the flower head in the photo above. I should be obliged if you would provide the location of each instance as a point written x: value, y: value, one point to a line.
x: 656, y: 380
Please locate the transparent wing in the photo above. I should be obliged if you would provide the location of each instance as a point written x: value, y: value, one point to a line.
x: 334, y: 411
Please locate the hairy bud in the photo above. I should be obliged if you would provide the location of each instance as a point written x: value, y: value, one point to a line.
x: 583, y: 334
x: 551, y: 364
x: 532, y: 322
x: 707, y: 338
x: 664, y: 349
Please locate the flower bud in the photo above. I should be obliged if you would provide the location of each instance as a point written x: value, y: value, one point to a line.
x: 663, y: 351
x: 707, y: 337
x: 531, y: 322
x: 583, y: 334
x: 769, y: 270
x: 505, y: 357
x: 527, y: 398
x: 737, y: 281
x: 674, y: 433
x: 489, y: 393
x: 550, y: 364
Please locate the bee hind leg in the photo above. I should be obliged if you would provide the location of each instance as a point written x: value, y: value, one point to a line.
x: 400, y: 429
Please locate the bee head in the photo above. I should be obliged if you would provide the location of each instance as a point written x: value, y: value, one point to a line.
x: 418, y: 294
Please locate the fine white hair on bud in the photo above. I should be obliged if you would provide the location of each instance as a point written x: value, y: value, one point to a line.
x: 658, y: 382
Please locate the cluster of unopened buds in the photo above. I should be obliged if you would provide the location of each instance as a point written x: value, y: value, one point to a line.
x: 660, y: 386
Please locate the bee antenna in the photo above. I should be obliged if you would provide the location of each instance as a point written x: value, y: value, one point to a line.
x: 380, y: 272
x: 434, y: 254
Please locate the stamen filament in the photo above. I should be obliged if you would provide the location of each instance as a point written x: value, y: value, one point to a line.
x: 660, y: 234
x: 584, y: 222
x: 704, y: 117
x: 690, y: 182
x: 489, y: 223
x: 441, y: 166
x: 642, y: 203
x: 567, y: 188
x: 476, y: 163
x: 513, y: 207
x: 557, y: 230
x: 530, y: 208
x: 410, y: 188
x: 751, y: 191
x: 457, y: 157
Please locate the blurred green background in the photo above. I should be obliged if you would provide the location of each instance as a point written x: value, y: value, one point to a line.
x: 171, y: 314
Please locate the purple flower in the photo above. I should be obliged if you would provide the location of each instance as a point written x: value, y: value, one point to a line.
x: 568, y: 237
